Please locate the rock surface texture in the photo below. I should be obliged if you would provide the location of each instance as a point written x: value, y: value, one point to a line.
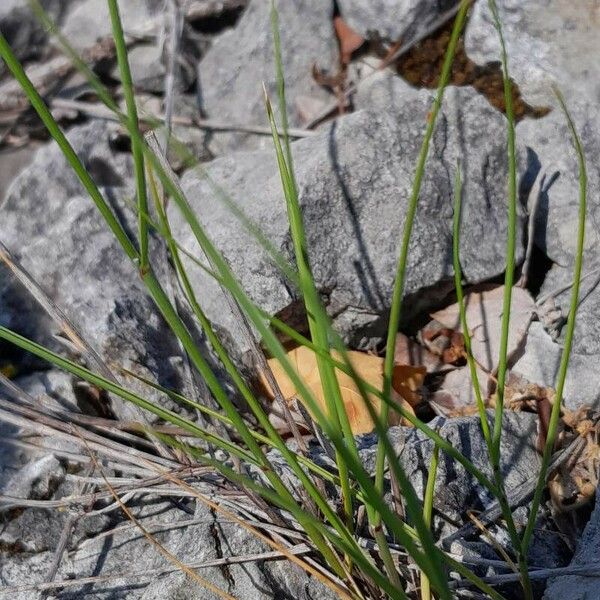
x: 240, y: 60
x: 355, y: 175
x: 549, y: 43
x: 393, y: 19
x: 572, y: 587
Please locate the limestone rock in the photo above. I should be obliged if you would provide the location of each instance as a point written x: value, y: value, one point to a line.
x: 354, y: 181
x: 393, y: 19
x: 232, y: 73
x: 549, y: 43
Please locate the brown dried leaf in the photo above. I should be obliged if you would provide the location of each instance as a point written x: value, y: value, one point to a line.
x: 484, y: 317
x: 349, y: 40
x: 407, y: 381
x: 408, y: 352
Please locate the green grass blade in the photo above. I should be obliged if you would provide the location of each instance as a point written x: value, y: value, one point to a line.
x: 570, y: 330
x: 508, y: 284
x: 152, y: 284
x: 463, y: 313
x: 511, y: 239
x: 281, y: 88
x: 398, y: 290
x: 428, y: 512
x: 221, y: 352
x: 132, y: 125
x: 79, y: 63
x: 318, y: 320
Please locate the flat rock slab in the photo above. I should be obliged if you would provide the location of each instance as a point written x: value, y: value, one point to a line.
x: 130, y: 567
x: 354, y: 182
x: 549, y: 43
x: 456, y: 489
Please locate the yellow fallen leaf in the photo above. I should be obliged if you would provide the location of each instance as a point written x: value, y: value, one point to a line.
x: 369, y: 368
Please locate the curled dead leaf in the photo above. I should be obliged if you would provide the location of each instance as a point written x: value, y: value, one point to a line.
x: 484, y: 317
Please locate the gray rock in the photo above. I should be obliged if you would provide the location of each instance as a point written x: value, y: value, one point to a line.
x: 539, y: 359
x: 12, y: 163
x: 148, y: 71
x: 51, y: 388
x: 550, y: 140
x: 571, y: 587
x: 393, y: 19
x: 22, y: 29
x: 541, y: 355
x: 147, y: 68
x: 64, y: 243
x: 232, y: 73
x: 38, y: 479
x: 456, y: 489
x: 89, y: 20
x: 354, y: 181
x: 549, y: 42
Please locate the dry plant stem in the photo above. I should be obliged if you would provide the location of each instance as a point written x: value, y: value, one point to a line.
x: 398, y: 291
x: 558, y: 291
x: 564, y: 363
x: 536, y: 194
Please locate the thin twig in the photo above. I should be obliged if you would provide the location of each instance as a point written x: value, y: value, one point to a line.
x: 558, y: 291
x: 535, y: 195
x: 102, y: 112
